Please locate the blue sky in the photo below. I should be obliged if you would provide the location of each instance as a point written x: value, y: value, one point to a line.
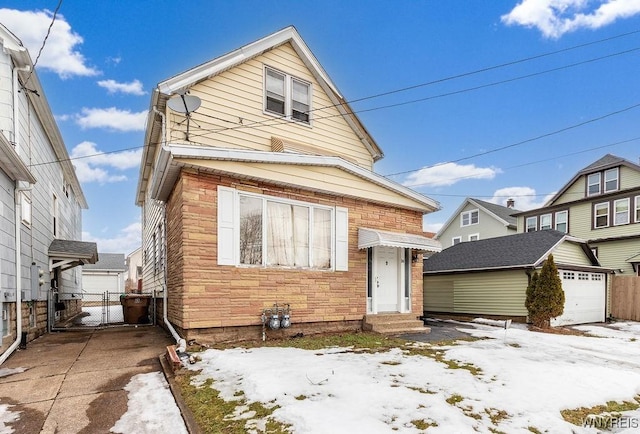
x: 520, y: 130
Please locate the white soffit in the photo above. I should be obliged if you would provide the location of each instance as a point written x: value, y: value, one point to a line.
x: 375, y: 237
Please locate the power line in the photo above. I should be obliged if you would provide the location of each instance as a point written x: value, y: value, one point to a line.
x: 44, y: 42
x: 98, y: 154
x: 282, y: 119
x: 522, y: 142
x: 534, y: 162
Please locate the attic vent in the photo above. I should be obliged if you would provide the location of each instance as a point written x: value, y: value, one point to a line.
x: 285, y: 145
x: 277, y: 145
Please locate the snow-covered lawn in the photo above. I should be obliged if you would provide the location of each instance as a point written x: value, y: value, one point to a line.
x: 522, y: 382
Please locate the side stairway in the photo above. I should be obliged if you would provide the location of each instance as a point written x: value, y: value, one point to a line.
x: 394, y: 323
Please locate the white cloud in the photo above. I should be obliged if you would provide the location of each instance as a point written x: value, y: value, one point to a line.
x: 556, y: 17
x: 59, y: 54
x: 93, y: 166
x: 431, y: 227
x: 447, y: 174
x: 525, y: 197
x: 126, y: 241
x: 132, y: 88
x: 112, y: 118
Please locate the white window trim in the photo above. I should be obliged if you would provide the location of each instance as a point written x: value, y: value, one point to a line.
x: 453, y: 240
x: 550, y: 221
x: 473, y: 235
x: 617, y: 179
x: 566, y: 220
x: 636, y: 209
x: 288, y: 97
x: 595, y: 215
x: 470, y: 214
x: 526, y: 224
x: 229, y: 230
x: 615, y: 211
x: 599, y: 184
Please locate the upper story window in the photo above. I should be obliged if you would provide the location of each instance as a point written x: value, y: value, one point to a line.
x: 456, y: 240
x: 603, y: 182
x: 637, y: 209
x: 593, y: 184
x: 562, y: 218
x: 287, y: 96
x: 545, y: 222
x: 621, y: 211
x: 601, y: 215
x: 474, y: 237
x: 469, y: 218
x: 611, y: 180
x: 532, y: 224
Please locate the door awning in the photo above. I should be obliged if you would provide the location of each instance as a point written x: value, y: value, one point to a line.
x: 69, y: 253
x: 375, y: 237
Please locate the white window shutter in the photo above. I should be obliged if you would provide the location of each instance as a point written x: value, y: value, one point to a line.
x: 226, y: 226
x: 342, y: 239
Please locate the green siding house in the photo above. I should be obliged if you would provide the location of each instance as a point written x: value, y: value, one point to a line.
x: 600, y: 204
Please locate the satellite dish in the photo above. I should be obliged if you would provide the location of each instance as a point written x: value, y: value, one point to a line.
x: 184, y: 103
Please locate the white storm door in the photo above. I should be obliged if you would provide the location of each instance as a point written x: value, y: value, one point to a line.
x: 386, y: 280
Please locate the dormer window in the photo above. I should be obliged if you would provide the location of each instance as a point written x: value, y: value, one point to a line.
x: 597, y: 185
x: 593, y: 184
x: 611, y: 180
x: 287, y: 96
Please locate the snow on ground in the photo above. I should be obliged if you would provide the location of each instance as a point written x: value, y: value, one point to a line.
x: 526, y: 379
x: 96, y: 315
x: 151, y: 407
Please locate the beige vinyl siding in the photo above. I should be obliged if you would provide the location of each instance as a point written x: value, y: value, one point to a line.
x: 575, y: 192
x: 570, y: 253
x: 629, y: 178
x: 325, y: 179
x: 489, y: 293
x: 488, y: 227
x: 614, y: 254
x: 438, y: 293
x: 232, y: 116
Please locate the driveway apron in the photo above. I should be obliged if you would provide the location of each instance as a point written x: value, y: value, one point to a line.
x: 73, y: 382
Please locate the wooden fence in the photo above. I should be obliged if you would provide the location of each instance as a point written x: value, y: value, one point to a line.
x: 625, y: 297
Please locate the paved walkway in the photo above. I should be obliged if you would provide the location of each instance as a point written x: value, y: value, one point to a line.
x: 74, y: 381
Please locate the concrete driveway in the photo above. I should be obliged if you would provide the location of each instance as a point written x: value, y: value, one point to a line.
x: 73, y: 382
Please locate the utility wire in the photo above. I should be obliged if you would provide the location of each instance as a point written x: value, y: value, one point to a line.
x: 532, y: 139
x: 44, y: 42
x: 534, y: 162
x: 282, y: 120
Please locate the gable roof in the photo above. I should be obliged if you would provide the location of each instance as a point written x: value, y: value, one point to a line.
x: 108, y: 261
x: 524, y: 250
x: 501, y: 213
x: 183, y: 81
x: 607, y: 162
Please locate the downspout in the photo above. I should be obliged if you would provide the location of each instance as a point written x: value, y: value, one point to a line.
x: 17, y: 223
x: 181, y: 343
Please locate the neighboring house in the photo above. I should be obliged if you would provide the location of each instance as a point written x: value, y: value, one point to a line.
x: 490, y: 277
x: 106, y: 275
x: 600, y: 204
x: 133, y: 278
x: 475, y: 220
x: 257, y: 187
x: 41, y: 204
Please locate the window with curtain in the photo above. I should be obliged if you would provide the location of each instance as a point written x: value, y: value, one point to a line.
x: 284, y: 234
x: 287, y: 96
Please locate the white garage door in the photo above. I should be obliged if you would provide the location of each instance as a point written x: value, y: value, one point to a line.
x: 98, y: 284
x: 585, y: 298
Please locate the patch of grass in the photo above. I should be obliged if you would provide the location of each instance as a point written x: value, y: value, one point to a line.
x: 633, y: 339
x: 391, y: 363
x: 496, y: 415
x: 421, y: 390
x: 454, y: 399
x: 515, y: 345
x: 301, y: 397
x: 214, y: 414
x: 578, y: 415
x: 534, y: 430
x: 423, y: 425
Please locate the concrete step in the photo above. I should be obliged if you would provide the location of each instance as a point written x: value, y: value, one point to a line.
x: 392, y: 324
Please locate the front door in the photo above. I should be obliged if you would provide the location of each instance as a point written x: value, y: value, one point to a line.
x: 386, y: 280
